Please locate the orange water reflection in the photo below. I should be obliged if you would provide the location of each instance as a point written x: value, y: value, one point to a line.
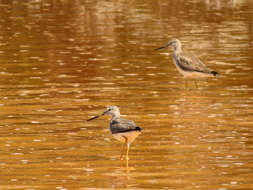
x: 64, y: 61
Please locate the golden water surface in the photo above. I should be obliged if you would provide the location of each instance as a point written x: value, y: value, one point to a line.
x: 64, y: 61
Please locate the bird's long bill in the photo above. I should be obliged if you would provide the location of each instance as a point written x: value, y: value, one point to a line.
x: 96, y: 117
x: 161, y: 47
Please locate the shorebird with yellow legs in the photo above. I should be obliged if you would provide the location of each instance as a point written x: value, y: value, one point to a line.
x: 187, y: 64
x: 123, y: 130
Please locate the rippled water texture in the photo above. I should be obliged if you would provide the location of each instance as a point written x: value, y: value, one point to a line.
x: 62, y: 62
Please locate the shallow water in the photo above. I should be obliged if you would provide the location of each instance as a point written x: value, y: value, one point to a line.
x: 63, y: 61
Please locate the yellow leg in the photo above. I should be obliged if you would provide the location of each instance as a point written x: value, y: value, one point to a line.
x: 128, y: 147
x: 185, y: 84
x: 123, y: 150
x: 196, y: 84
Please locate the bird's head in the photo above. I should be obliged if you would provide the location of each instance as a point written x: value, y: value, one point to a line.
x: 110, y: 110
x: 175, y: 43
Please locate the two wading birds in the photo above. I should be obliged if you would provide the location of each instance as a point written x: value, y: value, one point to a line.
x: 125, y: 130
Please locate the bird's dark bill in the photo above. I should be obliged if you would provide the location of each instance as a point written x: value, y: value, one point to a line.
x: 160, y: 48
x: 93, y: 118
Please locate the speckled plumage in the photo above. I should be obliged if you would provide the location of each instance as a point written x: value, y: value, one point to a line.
x: 120, y: 125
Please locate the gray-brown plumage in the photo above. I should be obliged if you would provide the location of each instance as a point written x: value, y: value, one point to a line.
x: 123, y: 130
x: 120, y: 125
x: 187, y: 64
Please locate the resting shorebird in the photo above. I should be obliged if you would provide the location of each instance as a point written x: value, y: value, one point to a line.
x: 123, y: 130
x: 187, y: 64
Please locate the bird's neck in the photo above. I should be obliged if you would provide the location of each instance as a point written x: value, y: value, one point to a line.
x: 115, y: 116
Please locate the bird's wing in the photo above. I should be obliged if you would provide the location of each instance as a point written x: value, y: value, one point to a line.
x: 122, y: 125
x: 191, y: 63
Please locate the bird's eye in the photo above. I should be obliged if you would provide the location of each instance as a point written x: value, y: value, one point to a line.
x: 109, y: 109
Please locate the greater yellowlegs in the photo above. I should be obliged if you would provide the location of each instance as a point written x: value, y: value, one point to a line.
x: 187, y: 64
x: 123, y: 130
